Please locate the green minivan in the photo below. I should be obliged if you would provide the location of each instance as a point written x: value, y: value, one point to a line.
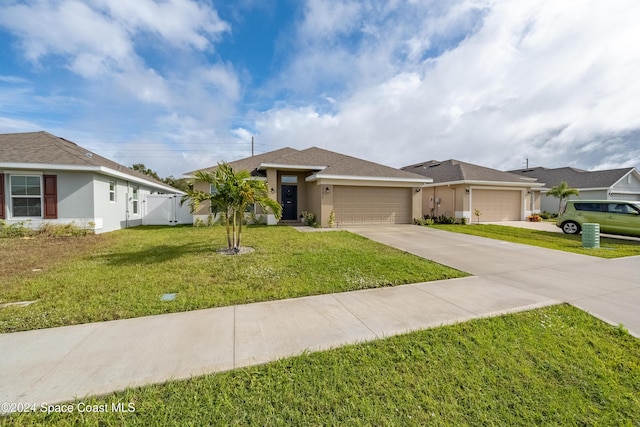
x: 614, y: 216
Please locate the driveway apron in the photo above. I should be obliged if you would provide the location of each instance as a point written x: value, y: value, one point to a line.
x: 607, y: 288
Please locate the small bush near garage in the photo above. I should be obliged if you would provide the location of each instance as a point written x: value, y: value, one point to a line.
x: 423, y: 221
x: 440, y: 219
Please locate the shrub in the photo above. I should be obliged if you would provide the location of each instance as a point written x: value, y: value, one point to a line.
x: 534, y: 218
x: 444, y: 219
x: 48, y: 229
x: 332, y: 218
x: 257, y: 219
x: 18, y: 229
x: 308, y: 218
x: 423, y: 221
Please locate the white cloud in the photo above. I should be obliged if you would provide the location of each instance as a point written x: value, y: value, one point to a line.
x: 133, y: 94
x: 554, y: 81
x: 177, y: 21
x: 72, y: 30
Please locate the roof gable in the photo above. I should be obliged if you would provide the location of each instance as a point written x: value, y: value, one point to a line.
x: 251, y: 164
x: 456, y: 171
x: 323, y: 162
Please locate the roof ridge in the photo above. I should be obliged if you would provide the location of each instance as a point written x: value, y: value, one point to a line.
x: 63, y: 144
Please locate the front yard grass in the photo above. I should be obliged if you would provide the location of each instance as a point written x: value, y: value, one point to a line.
x: 551, y: 366
x: 123, y: 274
x: 609, y: 248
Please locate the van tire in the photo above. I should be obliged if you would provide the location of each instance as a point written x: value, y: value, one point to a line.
x: 571, y: 227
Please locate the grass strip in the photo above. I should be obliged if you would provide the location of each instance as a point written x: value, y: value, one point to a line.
x: 609, y: 247
x: 551, y: 366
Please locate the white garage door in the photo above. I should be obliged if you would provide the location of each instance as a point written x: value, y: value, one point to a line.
x: 497, y: 205
x: 372, y: 205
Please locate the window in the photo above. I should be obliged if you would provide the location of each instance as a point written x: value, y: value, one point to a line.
x: 289, y: 179
x: 590, y: 207
x: 26, y: 196
x: 621, y: 208
x: 112, y: 191
x: 135, y: 200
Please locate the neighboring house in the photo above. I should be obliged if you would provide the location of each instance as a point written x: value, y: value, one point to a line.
x: 320, y: 181
x: 612, y: 184
x: 44, y: 178
x: 459, y: 188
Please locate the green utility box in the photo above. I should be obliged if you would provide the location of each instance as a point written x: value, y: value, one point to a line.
x: 590, y: 235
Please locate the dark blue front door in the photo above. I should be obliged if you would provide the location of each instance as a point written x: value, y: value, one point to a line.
x: 289, y: 202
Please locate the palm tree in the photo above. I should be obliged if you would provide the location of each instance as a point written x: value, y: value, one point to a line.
x: 562, y: 191
x: 231, y: 192
x: 253, y: 192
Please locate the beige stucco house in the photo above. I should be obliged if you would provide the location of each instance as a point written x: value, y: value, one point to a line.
x: 459, y: 188
x: 321, y: 181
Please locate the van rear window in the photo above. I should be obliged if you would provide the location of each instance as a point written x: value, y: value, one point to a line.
x: 590, y: 207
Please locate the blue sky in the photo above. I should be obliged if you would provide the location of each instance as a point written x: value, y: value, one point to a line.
x: 184, y: 84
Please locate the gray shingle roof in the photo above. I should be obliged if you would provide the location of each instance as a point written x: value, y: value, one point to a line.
x: 47, y: 149
x: 329, y: 163
x: 576, y: 178
x: 251, y: 164
x: 455, y: 171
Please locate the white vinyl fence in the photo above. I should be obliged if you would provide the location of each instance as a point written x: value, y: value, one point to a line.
x: 165, y: 209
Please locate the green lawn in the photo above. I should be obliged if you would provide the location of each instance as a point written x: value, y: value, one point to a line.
x: 551, y: 366
x: 609, y: 248
x: 124, y: 274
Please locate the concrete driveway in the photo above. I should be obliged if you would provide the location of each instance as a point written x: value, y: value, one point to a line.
x: 607, y: 288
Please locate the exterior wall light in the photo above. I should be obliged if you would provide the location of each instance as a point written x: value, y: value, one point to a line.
x: 327, y: 189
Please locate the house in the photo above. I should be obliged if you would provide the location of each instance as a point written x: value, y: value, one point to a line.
x: 459, y: 188
x: 321, y: 181
x: 45, y: 178
x: 611, y: 184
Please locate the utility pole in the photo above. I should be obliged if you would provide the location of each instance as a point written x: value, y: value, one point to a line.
x: 252, y: 146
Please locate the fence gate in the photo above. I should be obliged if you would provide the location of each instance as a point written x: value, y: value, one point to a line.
x: 165, y: 209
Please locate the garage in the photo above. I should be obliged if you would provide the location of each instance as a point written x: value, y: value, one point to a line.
x: 372, y: 205
x: 497, y: 205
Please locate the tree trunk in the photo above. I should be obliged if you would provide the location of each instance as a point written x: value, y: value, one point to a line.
x: 240, y: 215
x: 234, y: 229
x: 226, y: 221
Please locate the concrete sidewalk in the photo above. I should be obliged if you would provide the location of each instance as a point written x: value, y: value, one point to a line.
x: 60, y: 364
